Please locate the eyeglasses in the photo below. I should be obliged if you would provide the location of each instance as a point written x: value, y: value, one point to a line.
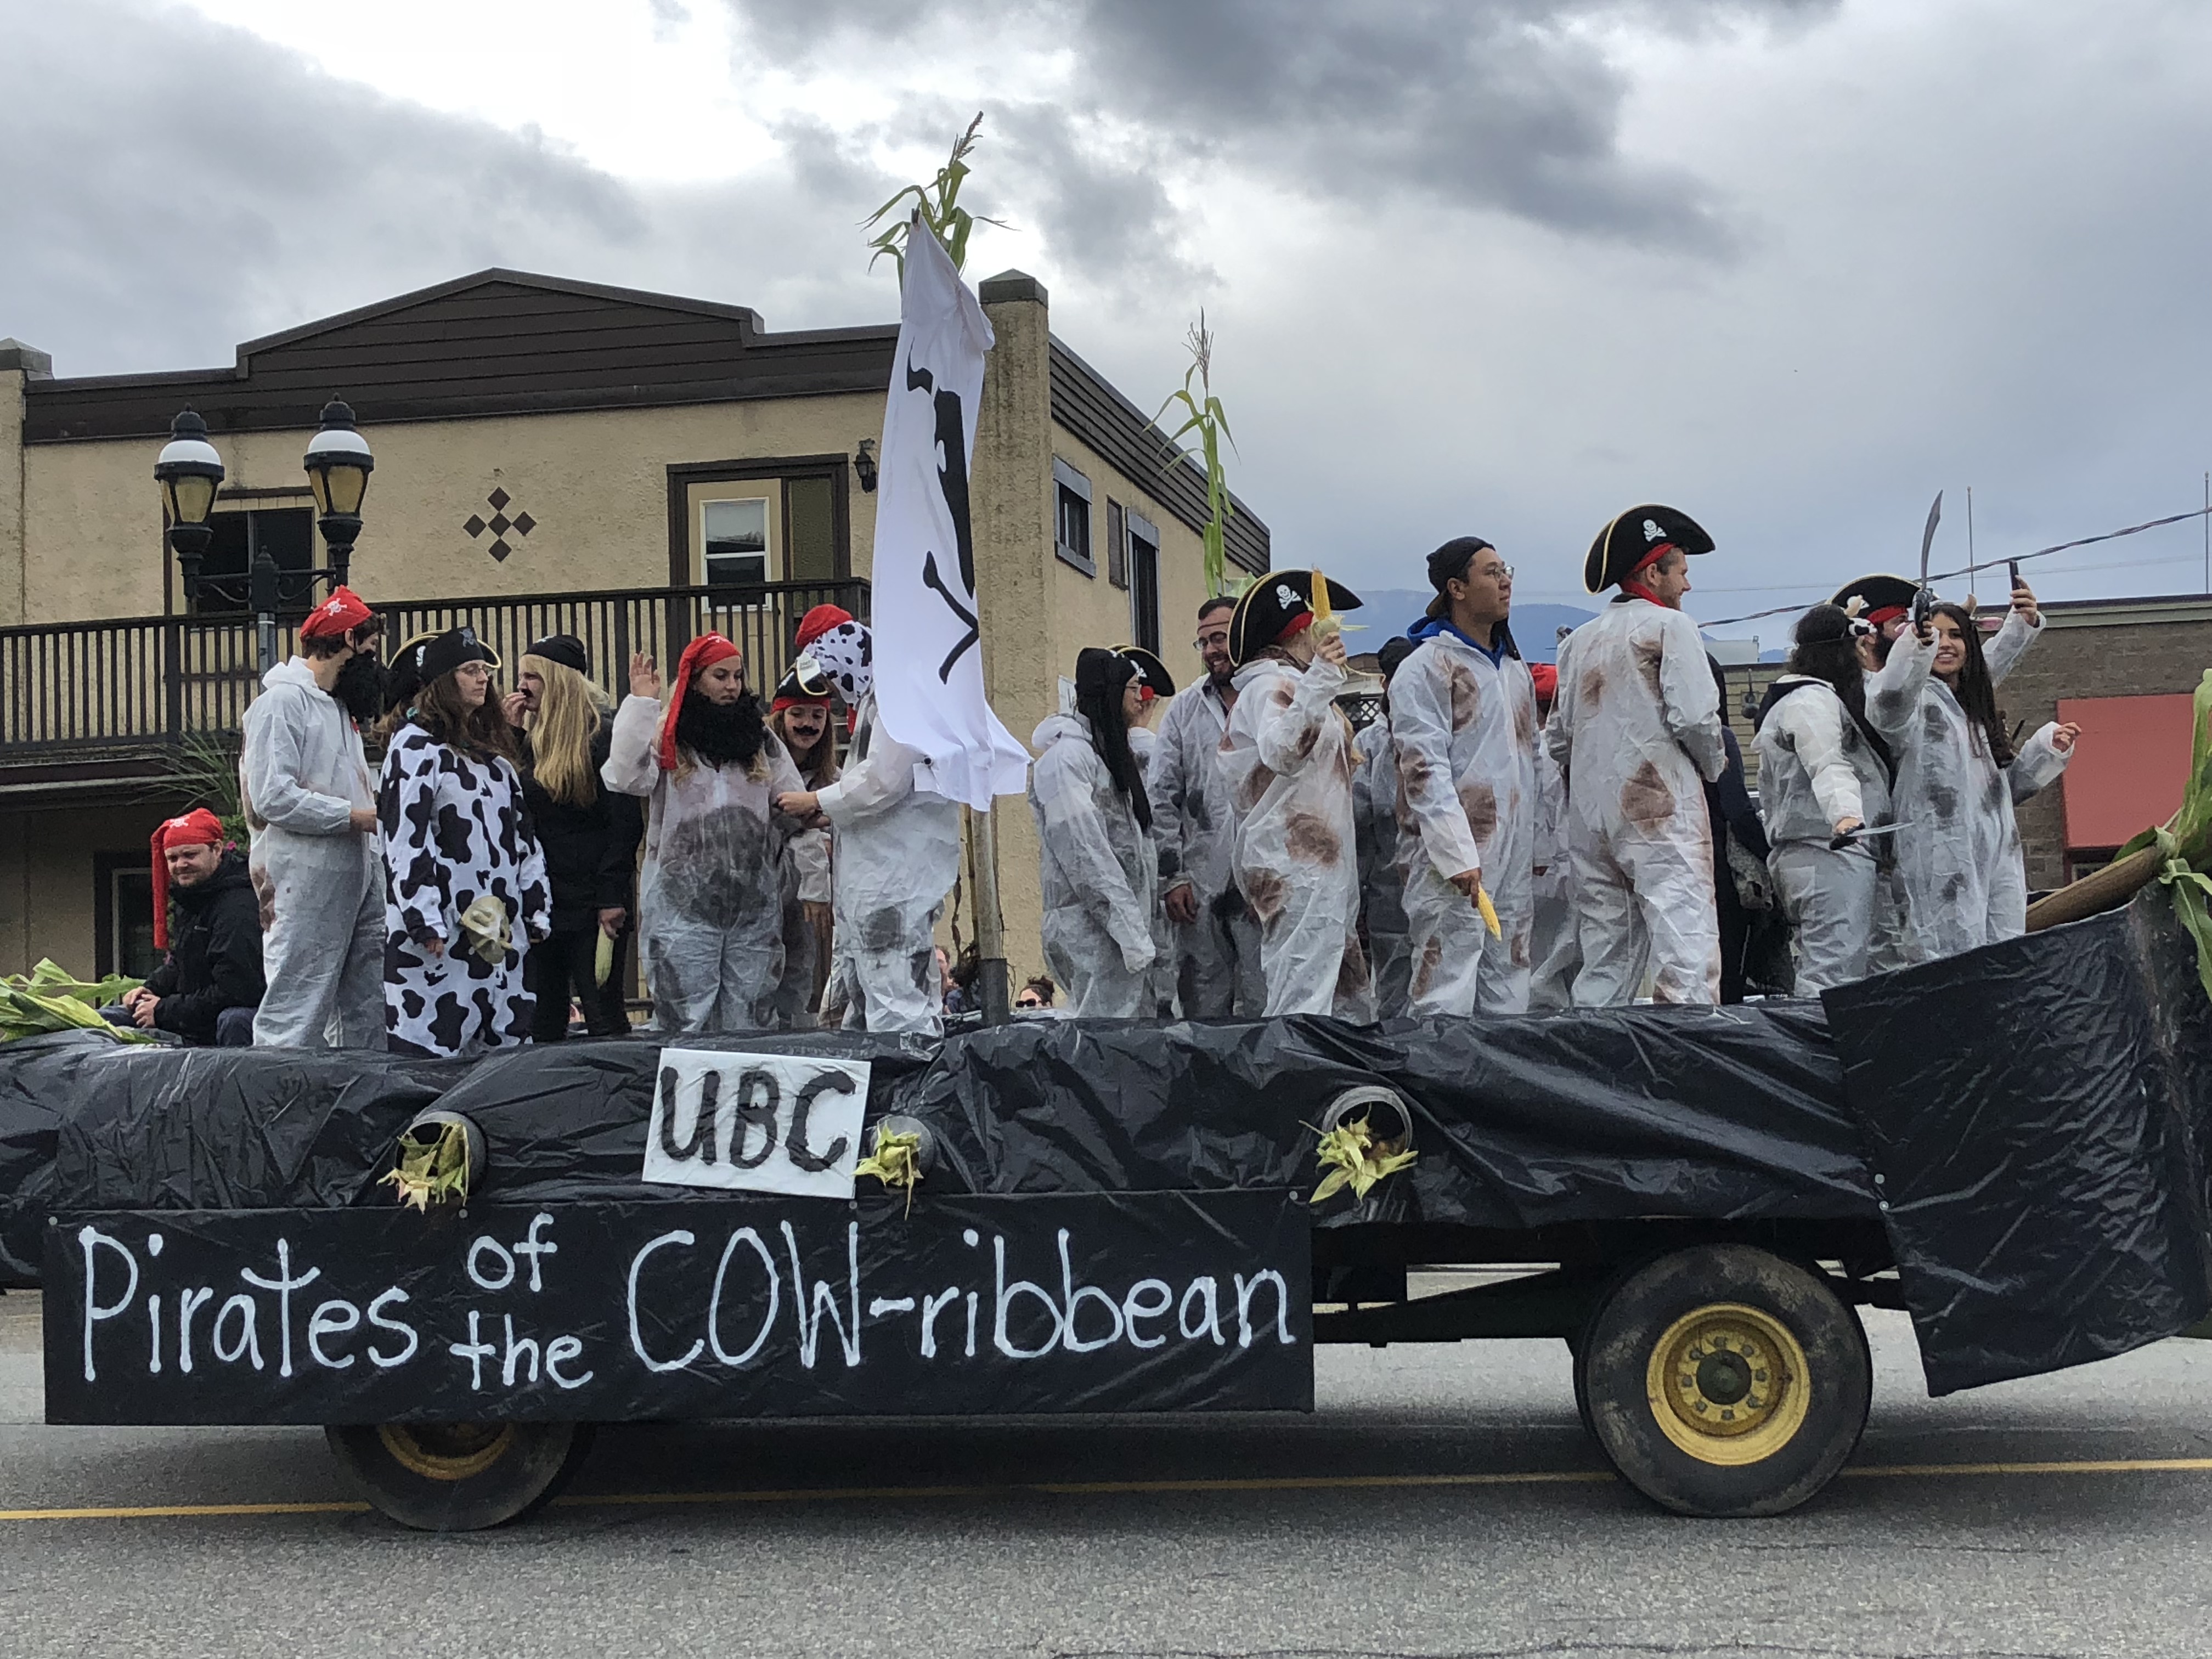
x: 1217, y: 636
x: 1495, y: 572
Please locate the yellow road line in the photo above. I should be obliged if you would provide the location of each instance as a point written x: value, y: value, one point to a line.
x: 1107, y: 1488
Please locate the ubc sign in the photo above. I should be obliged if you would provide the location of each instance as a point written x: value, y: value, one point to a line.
x: 789, y: 1124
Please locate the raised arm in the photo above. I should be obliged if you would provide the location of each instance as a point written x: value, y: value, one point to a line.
x: 1892, y: 691
x: 1289, y: 735
x: 631, y: 766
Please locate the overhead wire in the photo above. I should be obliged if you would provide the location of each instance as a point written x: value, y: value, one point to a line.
x: 1987, y: 564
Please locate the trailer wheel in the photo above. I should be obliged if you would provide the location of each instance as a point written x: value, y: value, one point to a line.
x: 1724, y: 1381
x: 460, y: 1477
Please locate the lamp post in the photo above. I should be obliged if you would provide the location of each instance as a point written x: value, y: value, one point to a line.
x: 338, y: 464
x: 189, y: 472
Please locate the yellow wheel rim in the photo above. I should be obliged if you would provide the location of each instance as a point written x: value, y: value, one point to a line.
x: 1728, y: 1384
x: 446, y: 1451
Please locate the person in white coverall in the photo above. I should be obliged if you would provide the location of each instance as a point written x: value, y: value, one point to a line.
x: 1884, y: 603
x: 1375, y: 820
x: 1637, y: 730
x: 1824, y: 771
x: 898, y: 855
x: 1097, y: 868
x: 1555, y: 953
x: 1155, y: 688
x: 310, y: 805
x: 710, y: 902
x: 1216, y: 938
x: 1287, y: 761
x: 1463, y: 718
x: 1958, y: 778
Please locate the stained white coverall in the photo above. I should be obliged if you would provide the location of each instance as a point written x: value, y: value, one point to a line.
x: 1637, y: 729
x: 1216, y: 955
x: 898, y: 855
x: 1160, y: 978
x: 302, y: 773
x: 1815, y: 770
x: 1099, y: 873
x: 1382, y: 903
x: 1553, y: 949
x: 1287, y: 762
x: 1465, y: 728
x: 1959, y: 853
x: 710, y: 902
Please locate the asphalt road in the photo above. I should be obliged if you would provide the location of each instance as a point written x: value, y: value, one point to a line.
x: 1951, y: 1534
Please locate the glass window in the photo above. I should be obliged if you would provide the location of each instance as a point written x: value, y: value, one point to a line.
x: 735, y: 536
x: 131, y: 910
x: 1144, y: 581
x: 1071, y: 516
x: 287, y: 534
x: 809, y: 535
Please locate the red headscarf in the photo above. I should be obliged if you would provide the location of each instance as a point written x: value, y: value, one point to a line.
x: 1630, y: 585
x: 702, y: 653
x: 340, y: 614
x: 197, y: 828
x: 819, y: 621
x: 1545, y: 677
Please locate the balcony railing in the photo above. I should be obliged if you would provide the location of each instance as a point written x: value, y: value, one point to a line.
x: 70, y: 689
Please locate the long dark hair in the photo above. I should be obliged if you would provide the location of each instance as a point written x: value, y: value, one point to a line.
x: 481, y: 732
x: 1975, y: 691
x: 1100, y: 679
x: 1824, y: 647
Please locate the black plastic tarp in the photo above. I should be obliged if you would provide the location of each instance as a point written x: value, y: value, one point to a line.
x: 1729, y: 1115
x: 2038, y: 1114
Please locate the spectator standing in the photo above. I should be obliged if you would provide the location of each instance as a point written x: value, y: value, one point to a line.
x: 468, y: 894
x: 310, y: 808
x: 589, y: 834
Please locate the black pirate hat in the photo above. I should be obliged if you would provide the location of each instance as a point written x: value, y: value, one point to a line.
x: 1623, y: 545
x: 1876, y: 598
x: 1272, y: 606
x: 1151, y: 673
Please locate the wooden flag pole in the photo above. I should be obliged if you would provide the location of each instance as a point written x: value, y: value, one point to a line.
x: 991, y: 979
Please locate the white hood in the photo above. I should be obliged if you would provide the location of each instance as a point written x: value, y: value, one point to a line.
x: 1059, y: 728
x: 295, y: 672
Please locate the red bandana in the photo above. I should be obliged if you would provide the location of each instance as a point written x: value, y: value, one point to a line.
x: 702, y: 653
x: 1630, y: 585
x: 340, y: 614
x: 197, y: 828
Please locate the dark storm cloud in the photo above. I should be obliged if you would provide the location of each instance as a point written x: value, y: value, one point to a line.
x: 173, y: 186
x: 1508, y: 106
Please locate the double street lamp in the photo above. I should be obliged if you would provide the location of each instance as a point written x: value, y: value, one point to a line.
x: 190, y: 472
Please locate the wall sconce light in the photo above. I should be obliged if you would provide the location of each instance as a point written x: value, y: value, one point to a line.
x: 864, y: 463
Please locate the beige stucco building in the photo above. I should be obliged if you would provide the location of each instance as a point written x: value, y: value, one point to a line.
x: 550, y: 455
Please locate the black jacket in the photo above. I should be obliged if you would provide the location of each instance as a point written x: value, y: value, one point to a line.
x: 214, y: 953
x: 591, y: 852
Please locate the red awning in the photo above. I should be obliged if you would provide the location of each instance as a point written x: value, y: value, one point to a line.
x: 2128, y: 772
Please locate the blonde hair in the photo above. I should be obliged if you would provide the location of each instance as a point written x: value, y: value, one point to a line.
x: 569, y: 712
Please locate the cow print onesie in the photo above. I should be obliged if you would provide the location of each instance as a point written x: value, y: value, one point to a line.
x: 455, y: 828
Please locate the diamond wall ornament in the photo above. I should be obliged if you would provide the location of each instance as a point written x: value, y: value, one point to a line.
x: 499, y: 524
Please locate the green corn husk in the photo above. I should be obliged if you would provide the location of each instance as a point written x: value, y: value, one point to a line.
x: 48, y: 999
x: 603, y: 960
x: 1206, y: 416
x: 896, y: 1162
x: 1352, y: 1159
x: 936, y: 209
x: 432, y: 1167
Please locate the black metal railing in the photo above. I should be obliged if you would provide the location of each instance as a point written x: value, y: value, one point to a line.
x: 148, y: 681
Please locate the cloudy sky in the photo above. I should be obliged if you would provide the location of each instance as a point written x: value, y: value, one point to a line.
x: 1502, y: 266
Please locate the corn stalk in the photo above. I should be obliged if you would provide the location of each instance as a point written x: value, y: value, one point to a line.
x: 1203, y: 414
x: 936, y: 206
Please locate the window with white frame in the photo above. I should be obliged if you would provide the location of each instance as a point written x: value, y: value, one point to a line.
x: 733, y: 538
x: 1071, y: 530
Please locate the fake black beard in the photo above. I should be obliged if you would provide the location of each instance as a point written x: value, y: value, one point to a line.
x: 722, y: 735
x: 360, y: 688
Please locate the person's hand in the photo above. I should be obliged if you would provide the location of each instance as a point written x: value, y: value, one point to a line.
x: 361, y: 821
x: 1330, y: 649
x: 1845, y: 825
x: 1137, y: 960
x: 142, y: 1014
x: 644, y: 678
x: 611, y: 920
x: 132, y: 998
x: 1469, y: 882
x: 1183, y: 903
x: 2023, y: 601
x: 431, y: 945
x: 2064, y: 739
x: 799, y: 803
x: 514, y: 705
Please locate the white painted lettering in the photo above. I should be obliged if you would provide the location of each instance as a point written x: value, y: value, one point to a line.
x: 153, y: 1326
x: 189, y: 1301
x: 825, y: 1300
x: 1211, y: 1325
x: 516, y: 1352
x: 533, y: 1247
x: 1006, y: 1293
x: 931, y: 1307
x: 331, y: 1319
x: 486, y: 1241
x: 92, y: 1240
x: 248, y: 1346
x: 558, y: 1353
x: 476, y: 1351
x: 1073, y: 1295
x: 1244, y: 1293
x: 400, y: 1326
x: 743, y: 1235
x: 636, y: 1336
x: 284, y: 1285
x: 1133, y: 1310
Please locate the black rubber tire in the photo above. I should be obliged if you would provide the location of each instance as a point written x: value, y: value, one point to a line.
x: 427, y: 1476
x: 1613, y: 1373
